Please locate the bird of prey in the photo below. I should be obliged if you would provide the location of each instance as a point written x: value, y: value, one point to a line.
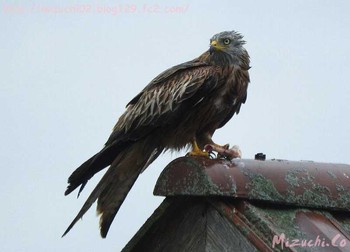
x: 181, y: 107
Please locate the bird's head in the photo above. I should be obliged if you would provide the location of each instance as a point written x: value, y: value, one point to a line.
x: 227, y: 44
x: 227, y: 41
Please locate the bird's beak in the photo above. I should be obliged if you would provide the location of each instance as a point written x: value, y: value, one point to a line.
x: 214, y: 45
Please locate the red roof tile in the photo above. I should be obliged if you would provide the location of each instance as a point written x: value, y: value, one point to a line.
x: 308, y: 184
x: 249, y: 205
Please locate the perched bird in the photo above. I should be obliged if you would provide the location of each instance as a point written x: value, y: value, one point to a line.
x: 183, y: 106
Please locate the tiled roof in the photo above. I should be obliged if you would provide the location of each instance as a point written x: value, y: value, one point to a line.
x: 249, y: 205
x: 305, y: 183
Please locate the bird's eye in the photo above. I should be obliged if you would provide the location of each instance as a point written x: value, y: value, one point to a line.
x: 227, y: 41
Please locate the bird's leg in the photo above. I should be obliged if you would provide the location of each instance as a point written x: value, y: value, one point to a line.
x: 196, y: 151
x: 224, y: 151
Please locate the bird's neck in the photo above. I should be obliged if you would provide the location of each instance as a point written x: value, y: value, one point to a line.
x: 222, y: 59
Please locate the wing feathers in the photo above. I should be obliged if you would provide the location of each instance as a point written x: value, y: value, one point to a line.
x: 162, y: 97
x: 116, y: 183
x: 106, y: 179
x: 158, y: 101
x: 124, y: 173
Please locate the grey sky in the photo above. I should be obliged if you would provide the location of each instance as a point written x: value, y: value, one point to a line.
x: 66, y: 77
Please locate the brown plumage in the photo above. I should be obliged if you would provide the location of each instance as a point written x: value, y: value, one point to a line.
x: 183, y: 105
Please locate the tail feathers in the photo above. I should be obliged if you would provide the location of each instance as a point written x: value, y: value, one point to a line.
x: 113, y: 197
x: 116, y: 183
x: 106, y: 179
x: 79, y: 177
x: 90, y: 167
x: 128, y: 170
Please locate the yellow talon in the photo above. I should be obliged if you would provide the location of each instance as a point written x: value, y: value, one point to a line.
x: 196, y: 151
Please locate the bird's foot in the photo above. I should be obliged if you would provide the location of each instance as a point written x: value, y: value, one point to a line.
x: 196, y: 151
x: 224, y: 151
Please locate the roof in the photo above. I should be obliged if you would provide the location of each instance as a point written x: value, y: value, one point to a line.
x: 249, y: 205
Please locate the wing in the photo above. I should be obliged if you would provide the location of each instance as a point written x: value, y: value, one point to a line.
x: 160, y: 101
x: 165, y: 75
x: 163, y: 99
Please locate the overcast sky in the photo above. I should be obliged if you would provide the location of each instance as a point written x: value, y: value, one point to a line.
x: 68, y: 70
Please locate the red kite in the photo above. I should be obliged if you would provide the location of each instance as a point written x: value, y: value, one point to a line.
x: 183, y: 106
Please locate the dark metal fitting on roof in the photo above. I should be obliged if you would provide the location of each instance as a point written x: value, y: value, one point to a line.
x: 260, y: 156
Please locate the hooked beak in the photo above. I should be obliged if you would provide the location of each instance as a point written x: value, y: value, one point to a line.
x: 214, y: 43
x: 214, y: 46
